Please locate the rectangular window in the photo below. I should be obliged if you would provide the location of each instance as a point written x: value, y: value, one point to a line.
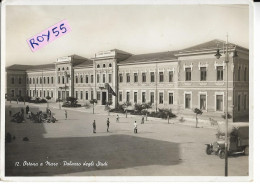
x: 40, y: 93
x: 86, y: 78
x: 120, y: 77
x: 135, y: 97
x: 203, y: 102
x: 170, y: 98
x: 12, y: 80
x: 109, y: 78
x: 91, y: 78
x: 59, y: 94
x: 104, y: 78
x: 58, y: 79
x: 135, y: 77
x: 20, y: 80
x: 77, y: 95
x: 161, y: 76
x: 30, y: 92
x: 48, y: 80
x: 188, y: 74
x: 152, y: 76
x: 160, y: 98
x: 170, y: 76
x: 128, y: 77
x: 152, y: 97
x: 52, y: 80
x: 44, y: 80
x: 238, y: 73
x: 52, y: 94
x: 187, y: 101
x: 143, y: 77
x: 203, y: 73
x: 220, y: 73
x: 91, y: 95
x: 43, y: 94
x: 238, y: 102
x: 97, y: 78
x: 143, y: 97
x: 98, y: 95
x: 86, y: 95
x: 245, y: 73
x: 81, y: 95
x: 245, y: 101
x: 63, y: 80
x: 81, y: 79
x: 219, y: 100
x: 127, y: 96
x: 120, y: 96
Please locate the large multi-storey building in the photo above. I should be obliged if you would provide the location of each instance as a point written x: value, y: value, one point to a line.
x: 179, y: 80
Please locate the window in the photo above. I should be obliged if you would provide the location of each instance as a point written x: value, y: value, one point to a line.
x: 77, y: 95
x: 43, y: 93
x: 81, y: 95
x: 120, y: 96
x: 110, y: 78
x: 135, y: 77
x: 20, y: 93
x: 188, y: 74
x: 33, y: 81
x: 219, y: 100
x: 143, y: 97
x: 245, y: 101
x: 81, y: 79
x: 238, y: 73
x: 120, y: 77
x: 152, y: 76
x: 170, y: 98
x: 104, y: 78
x: 127, y: 96
x: 97, y: 78
x: 48, y: 93
x: 86, y: 78
x: 238, y: 102
x: 187, y: 101
x: 67, y: 68
x: 91, y: 78
x: 12, y: 93
x: 40, y: 80
x: 52, y: 94
x: 245, y: 73
x: 143, y: 77
x: 128, y: 77
x: 91, y: 95
x: 220, y: 73
x: 98, y: 66
x: 52, y: 80
x: 37, y: 81
x: 30, y: 81
x: 152, y: 97
x: 58, y: 69
x: 170, y: 76
x: 110, y: 65
x: 20, y: 80
x: 12, y: 80
x: 104, y: 65
x: 203, y: 102
x: 63, y: 68
x: 63, y: 80
x: 161, y: 76
x: 86, y: 95
x: 48, y: 80
x: 135, y: 97
x: 40, y: 93
x: 30, y: 92
x: 58, y: 79
x: 44, y: 80
x: 160, y: 98
x: 203, y: 74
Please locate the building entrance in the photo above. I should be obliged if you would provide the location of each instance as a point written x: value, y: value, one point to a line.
x: 104, y: 98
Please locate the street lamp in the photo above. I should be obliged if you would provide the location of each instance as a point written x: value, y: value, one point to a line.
x: 218, y: 55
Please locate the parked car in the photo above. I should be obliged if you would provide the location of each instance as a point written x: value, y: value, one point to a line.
x: 238, y: 140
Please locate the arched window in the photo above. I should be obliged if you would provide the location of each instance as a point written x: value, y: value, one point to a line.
x: 30, y: 81
x: 33, y: 81
x: 58, y: 69
x: 110, y: 65
x: 98, y: 66
x: 104, y: 65
x: 43, y: 80
x: 63, y: 68
x: 81, y: 79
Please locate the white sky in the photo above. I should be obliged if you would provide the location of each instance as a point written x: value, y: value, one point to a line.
x: 136, y: 29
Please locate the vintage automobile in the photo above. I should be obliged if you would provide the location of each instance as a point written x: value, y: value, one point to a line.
x: 238, y: 140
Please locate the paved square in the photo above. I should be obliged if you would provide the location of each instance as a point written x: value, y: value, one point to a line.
x: 159, y: 148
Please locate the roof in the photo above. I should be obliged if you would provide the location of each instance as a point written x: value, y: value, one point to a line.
x: 30, y: 67
x: 150, y: 57
x: 84, y: 64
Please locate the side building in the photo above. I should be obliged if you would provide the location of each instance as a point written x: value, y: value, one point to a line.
x: 178, y: 80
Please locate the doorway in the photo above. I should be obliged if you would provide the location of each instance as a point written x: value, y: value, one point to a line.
x: 104, y: 98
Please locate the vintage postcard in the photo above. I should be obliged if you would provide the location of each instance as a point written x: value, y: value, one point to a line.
x: 126, y: 91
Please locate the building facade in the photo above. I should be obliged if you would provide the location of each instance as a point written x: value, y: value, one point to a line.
x: 178, y: 80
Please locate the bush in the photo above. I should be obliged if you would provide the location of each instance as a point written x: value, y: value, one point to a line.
x: 59, y: 100
x: 71, y: 105
x: 162, y: 113
x: 38, y: 100
x: 119, y: 109
x: 228, y: 116
x: 71, y: 102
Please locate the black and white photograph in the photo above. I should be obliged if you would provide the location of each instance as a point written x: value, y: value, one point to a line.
x: 126, y: 89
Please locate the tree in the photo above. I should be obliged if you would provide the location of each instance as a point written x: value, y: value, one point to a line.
x: 93, y: 101
x: 126, y: 105
x: 108, y: 103
x: 147, y: 106
x: 197, y: 112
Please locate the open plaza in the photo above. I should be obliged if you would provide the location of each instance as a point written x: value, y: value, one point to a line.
x: 69, y: 146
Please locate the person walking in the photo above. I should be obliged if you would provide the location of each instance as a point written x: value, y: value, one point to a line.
x: 108, y: 124
x: 66, y: 114
x: 117, y: 118
x: 142, y: 121
x: 135, y: 127
x: 27, y: 109
x: 94, y: 127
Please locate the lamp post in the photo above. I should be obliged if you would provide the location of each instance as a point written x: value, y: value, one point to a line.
x: 218, y: 55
